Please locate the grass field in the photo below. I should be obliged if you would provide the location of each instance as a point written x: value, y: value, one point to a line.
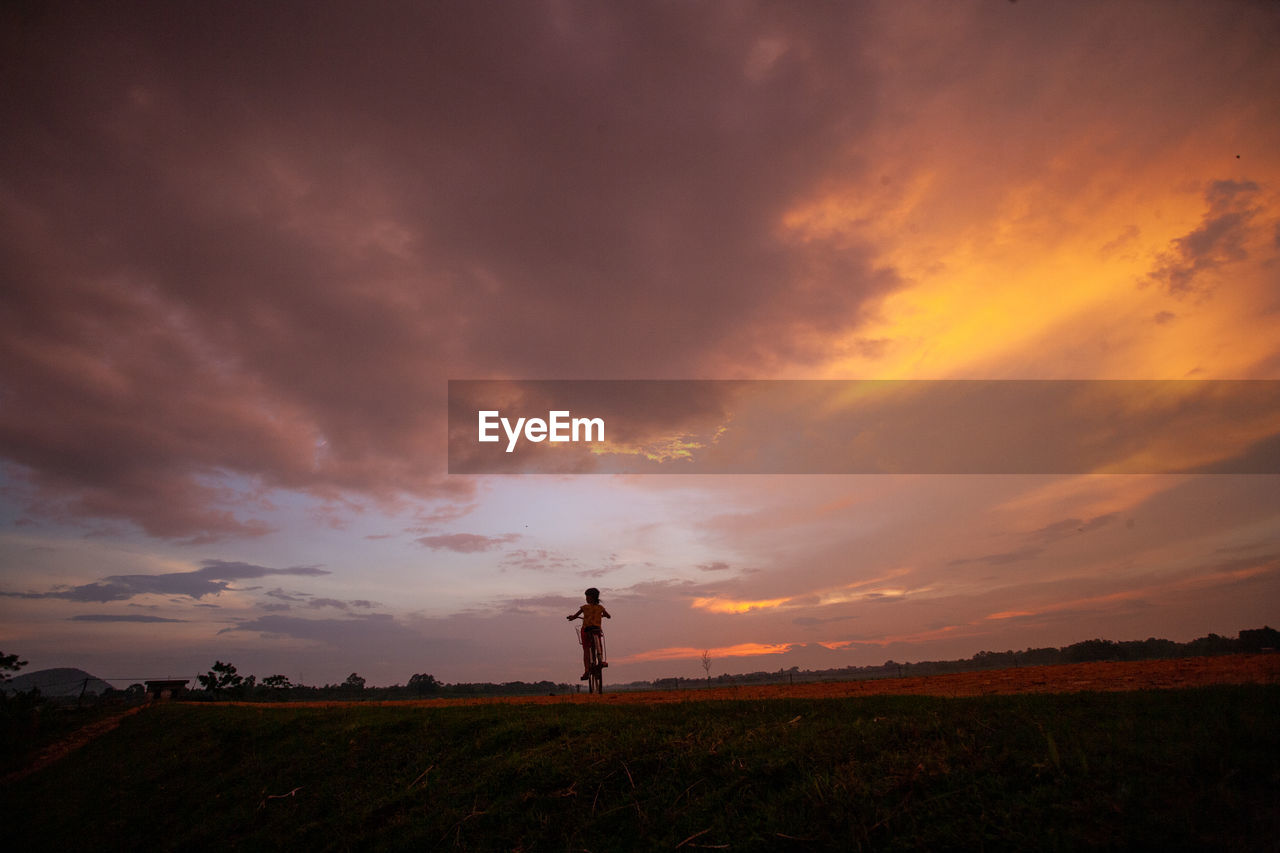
x: 1188, y: 769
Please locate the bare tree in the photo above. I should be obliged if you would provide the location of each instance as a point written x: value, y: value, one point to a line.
x: 706, y: 664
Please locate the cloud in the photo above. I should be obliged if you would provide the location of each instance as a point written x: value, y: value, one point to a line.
x: 714, y: 566
x: 717, y: 604
x: 214, y: 577
x: 1069, y: 527
x: 240, y: 265
x: 1218, y: 241
x: 426, y: 520
x: 286, y: 596
x: 284, y: 294
x: 686, y: 652
x: 360, y: 604
x: 1002, y: 558
x: 377, y: 630
x: 610, y: 565
x: 539, y: 560
x: 1041, y: 538
x: 542, y: 605
x: 101, y: 617
x: 466, y: 543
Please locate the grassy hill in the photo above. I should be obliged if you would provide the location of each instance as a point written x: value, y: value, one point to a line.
x: 1178, y: 770
x: 58, y: 682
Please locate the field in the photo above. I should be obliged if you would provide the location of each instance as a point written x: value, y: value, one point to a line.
x: 1192, y: 768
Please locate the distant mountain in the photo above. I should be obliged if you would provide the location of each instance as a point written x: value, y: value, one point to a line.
x: 63, y: 681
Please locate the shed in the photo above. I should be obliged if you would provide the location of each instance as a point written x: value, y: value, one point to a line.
x: 168, y: 688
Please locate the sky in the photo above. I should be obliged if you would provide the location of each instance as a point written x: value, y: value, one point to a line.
x: 244, y: 248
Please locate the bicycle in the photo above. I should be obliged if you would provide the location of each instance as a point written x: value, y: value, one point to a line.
x: 595, y: 657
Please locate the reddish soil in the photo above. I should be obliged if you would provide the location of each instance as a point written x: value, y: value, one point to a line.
x: 1065, y: 678
x: 71, y: 743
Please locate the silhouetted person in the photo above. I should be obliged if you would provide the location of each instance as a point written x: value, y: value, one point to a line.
x: 591, y: 614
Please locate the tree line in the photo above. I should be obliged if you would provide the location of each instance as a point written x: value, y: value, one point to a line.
x: 223, y: 681
x: 1246, y: 642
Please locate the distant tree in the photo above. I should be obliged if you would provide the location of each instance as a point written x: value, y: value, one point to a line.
x: 135, y: 691
x: 706, y: 664
x: 1089, y: 651
x: 1212, y: 645
x: 277, y: 682
x: 424, y: 683
x: 353, y: 682
x: 221, y: 677
x: 9, y: 663
x: 1257, y: 639
x: 994, y: 660
x: 1153, y: 648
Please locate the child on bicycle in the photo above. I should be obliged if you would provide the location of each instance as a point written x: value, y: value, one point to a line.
x: 590, y: 613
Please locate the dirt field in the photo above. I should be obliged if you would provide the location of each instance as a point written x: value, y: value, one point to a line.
x: 69, y: 744
x: 1065, y: 678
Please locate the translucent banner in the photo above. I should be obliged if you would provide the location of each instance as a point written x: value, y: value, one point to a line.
x: 864, y: 427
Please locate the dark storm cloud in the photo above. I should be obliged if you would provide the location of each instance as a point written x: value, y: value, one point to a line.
x: 239, y: 240
x: 213, y: 578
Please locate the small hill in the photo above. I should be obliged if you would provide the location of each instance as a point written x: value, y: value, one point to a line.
x: 61, y: 681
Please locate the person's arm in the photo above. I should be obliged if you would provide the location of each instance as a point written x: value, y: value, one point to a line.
x: 575, y: 615
x: 606, y: 614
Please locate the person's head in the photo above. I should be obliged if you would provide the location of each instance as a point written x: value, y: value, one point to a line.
x: 593, y: 596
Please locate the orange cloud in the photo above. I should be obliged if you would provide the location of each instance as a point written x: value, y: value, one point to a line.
x: 730, y: 605
x: 688, y: 652
x: 828, y: 595
x: 1050, y: 263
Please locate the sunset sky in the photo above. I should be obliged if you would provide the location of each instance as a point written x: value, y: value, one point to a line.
x: 245, y: 246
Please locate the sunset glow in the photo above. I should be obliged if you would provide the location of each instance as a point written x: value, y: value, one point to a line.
x: 244, y: 262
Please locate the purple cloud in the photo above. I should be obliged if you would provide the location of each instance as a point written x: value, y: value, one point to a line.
x: 466, y: 543
x: 214, y: 577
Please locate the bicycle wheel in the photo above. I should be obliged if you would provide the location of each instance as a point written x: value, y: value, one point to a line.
x: 595, y: 684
